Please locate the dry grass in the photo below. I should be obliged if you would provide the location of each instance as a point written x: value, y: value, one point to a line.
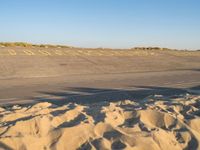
x: 23, y: 44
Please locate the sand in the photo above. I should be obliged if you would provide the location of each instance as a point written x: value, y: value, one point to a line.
x: 156, y: 122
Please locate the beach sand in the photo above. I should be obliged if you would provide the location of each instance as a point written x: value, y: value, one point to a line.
x: 156, y: 122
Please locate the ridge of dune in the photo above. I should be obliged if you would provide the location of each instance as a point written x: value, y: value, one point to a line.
x: 157, y: 122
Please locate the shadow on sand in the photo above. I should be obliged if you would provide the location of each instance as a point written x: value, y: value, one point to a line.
x: 85, y: 95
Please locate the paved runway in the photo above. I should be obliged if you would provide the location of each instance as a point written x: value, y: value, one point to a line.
x: 96, y: 87
x: 92, y: 76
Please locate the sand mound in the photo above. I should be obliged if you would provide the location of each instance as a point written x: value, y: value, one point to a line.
x: 155, y: 123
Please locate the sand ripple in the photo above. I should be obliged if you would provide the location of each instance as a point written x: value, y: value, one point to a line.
x: 155, y: 123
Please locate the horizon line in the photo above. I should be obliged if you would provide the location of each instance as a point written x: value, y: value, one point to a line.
x: 27, y: 44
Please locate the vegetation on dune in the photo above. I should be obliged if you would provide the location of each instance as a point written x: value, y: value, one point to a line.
x: 23, y: 44
x: 150, y: 48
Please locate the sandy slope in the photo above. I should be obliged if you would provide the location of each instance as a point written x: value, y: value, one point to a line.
x: 157, y: 122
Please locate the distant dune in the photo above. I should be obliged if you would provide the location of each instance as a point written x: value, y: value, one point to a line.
x: 25, y: 44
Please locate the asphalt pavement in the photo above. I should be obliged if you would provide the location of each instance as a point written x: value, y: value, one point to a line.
x: 89, y: 79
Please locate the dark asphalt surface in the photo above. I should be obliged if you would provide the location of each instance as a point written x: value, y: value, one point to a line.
x: 93, y: 88
x: 29, y: 75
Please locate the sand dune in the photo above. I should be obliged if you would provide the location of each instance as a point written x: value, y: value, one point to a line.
x: 156, y: 122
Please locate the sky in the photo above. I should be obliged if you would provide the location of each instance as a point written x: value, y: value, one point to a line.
x: 102, y: 23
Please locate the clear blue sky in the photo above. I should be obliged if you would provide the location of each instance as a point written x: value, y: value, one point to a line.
x: 102, y: 23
